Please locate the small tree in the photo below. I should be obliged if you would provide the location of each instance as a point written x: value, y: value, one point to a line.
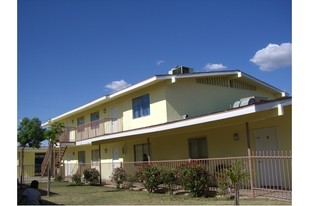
x: 52, y: 134
x: 30, y: 134
x: 236, y: 174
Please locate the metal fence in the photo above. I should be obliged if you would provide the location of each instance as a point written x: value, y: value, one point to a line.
x: 270, y: 171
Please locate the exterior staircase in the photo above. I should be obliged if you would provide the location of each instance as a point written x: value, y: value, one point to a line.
x: 57, y: 157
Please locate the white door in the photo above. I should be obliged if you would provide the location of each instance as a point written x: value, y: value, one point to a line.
x: 70, y: 126
x: 268, y: 170
x: 68, y: 165
x: 114, y: 119
x: 116, y: 161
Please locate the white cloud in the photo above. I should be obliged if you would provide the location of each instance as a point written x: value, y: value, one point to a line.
x: 117, y: 85
x: 273, y: 57
x: 214, y: 66
x: 159, y: 62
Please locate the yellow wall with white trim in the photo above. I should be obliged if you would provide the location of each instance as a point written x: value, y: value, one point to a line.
x: 185, y: 96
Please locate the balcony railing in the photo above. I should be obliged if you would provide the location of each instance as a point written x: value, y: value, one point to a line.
x: 93, y: 129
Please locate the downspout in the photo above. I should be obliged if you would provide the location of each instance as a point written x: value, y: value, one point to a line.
x: 100, y: 169
x: 148, y: 144
x: 249, y: 158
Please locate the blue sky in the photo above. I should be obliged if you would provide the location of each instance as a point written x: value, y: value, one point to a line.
x: 72, y: 52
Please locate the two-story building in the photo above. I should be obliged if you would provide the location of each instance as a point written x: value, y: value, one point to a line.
x: 178, y: 116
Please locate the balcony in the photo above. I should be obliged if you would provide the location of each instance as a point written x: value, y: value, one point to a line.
x: 92, y: 129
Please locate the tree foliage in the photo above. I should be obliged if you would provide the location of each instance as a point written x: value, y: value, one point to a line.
x: 30, y: 133
x: 237, y: 174
x: 52, y: 134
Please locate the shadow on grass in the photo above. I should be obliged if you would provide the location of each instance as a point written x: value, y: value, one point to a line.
x: 21, y: 188
x: 81, y: 184
x: 114, y: 190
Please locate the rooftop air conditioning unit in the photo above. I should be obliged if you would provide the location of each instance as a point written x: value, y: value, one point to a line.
x: 180, y: 70
x: 248, y: 100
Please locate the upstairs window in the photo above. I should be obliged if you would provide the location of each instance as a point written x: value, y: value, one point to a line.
x: 141, y: 106
x: 80, y: 121
x: 80, y: 124
x: 94, y: 117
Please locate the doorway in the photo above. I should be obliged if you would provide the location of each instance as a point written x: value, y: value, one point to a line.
x: 267, y: 169
x: 115, y: 161
x: 114, y: 116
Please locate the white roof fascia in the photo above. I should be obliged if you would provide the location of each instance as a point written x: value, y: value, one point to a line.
x: 42, y: 148
x: 161, y: 77
x: 76, y: 110
x: 283, y: 94
x: 102, y: 99
x: 194, y: 121
x: 273, y: 104
x: 203, y: 74
x: 133, y: 87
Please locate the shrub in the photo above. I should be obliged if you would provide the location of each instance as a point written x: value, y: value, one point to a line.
x: 149, y: 176
x: 193, y: 177
x: 91, y: 175
x: 168, y: 178
x: 77, y: 179
x: 119, y: 176
x: 129, y: 181
x: 58, y: 178
x: 223, y: 183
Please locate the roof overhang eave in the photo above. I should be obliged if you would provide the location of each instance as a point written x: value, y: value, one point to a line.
x: 246, y: 110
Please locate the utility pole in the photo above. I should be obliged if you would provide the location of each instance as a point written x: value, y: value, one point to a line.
x: 49, y: 169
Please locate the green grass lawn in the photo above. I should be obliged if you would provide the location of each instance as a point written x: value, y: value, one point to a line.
x: 64, y: 193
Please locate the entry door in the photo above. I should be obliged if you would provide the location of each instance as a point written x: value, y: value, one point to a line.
x: 114, y: 119
x: 116, y: 161
x: 68, y: 166
x: 38, y: 163
x: 70, y: 126
x: 268, y: 169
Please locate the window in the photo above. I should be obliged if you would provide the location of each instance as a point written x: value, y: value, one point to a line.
x: 95, y: 157
x: 81, y: 157
x: 198, y: 148
x: 94, y: 117
x: 141, y: 106
x: 38, y: 159
x: 139, y: 151
x: 80, y: 122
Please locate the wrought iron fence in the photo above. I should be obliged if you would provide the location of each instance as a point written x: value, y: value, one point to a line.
x: 270, y: 171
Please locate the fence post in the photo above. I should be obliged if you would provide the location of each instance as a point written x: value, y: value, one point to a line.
x: 249, y: 158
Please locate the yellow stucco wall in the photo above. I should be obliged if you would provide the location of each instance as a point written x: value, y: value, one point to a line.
x: 29, y: 161
x: 123, y: 106
x: 169, y: 101
x: 169, y: 146
x: 185, y: 96
x: 157, y: 108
